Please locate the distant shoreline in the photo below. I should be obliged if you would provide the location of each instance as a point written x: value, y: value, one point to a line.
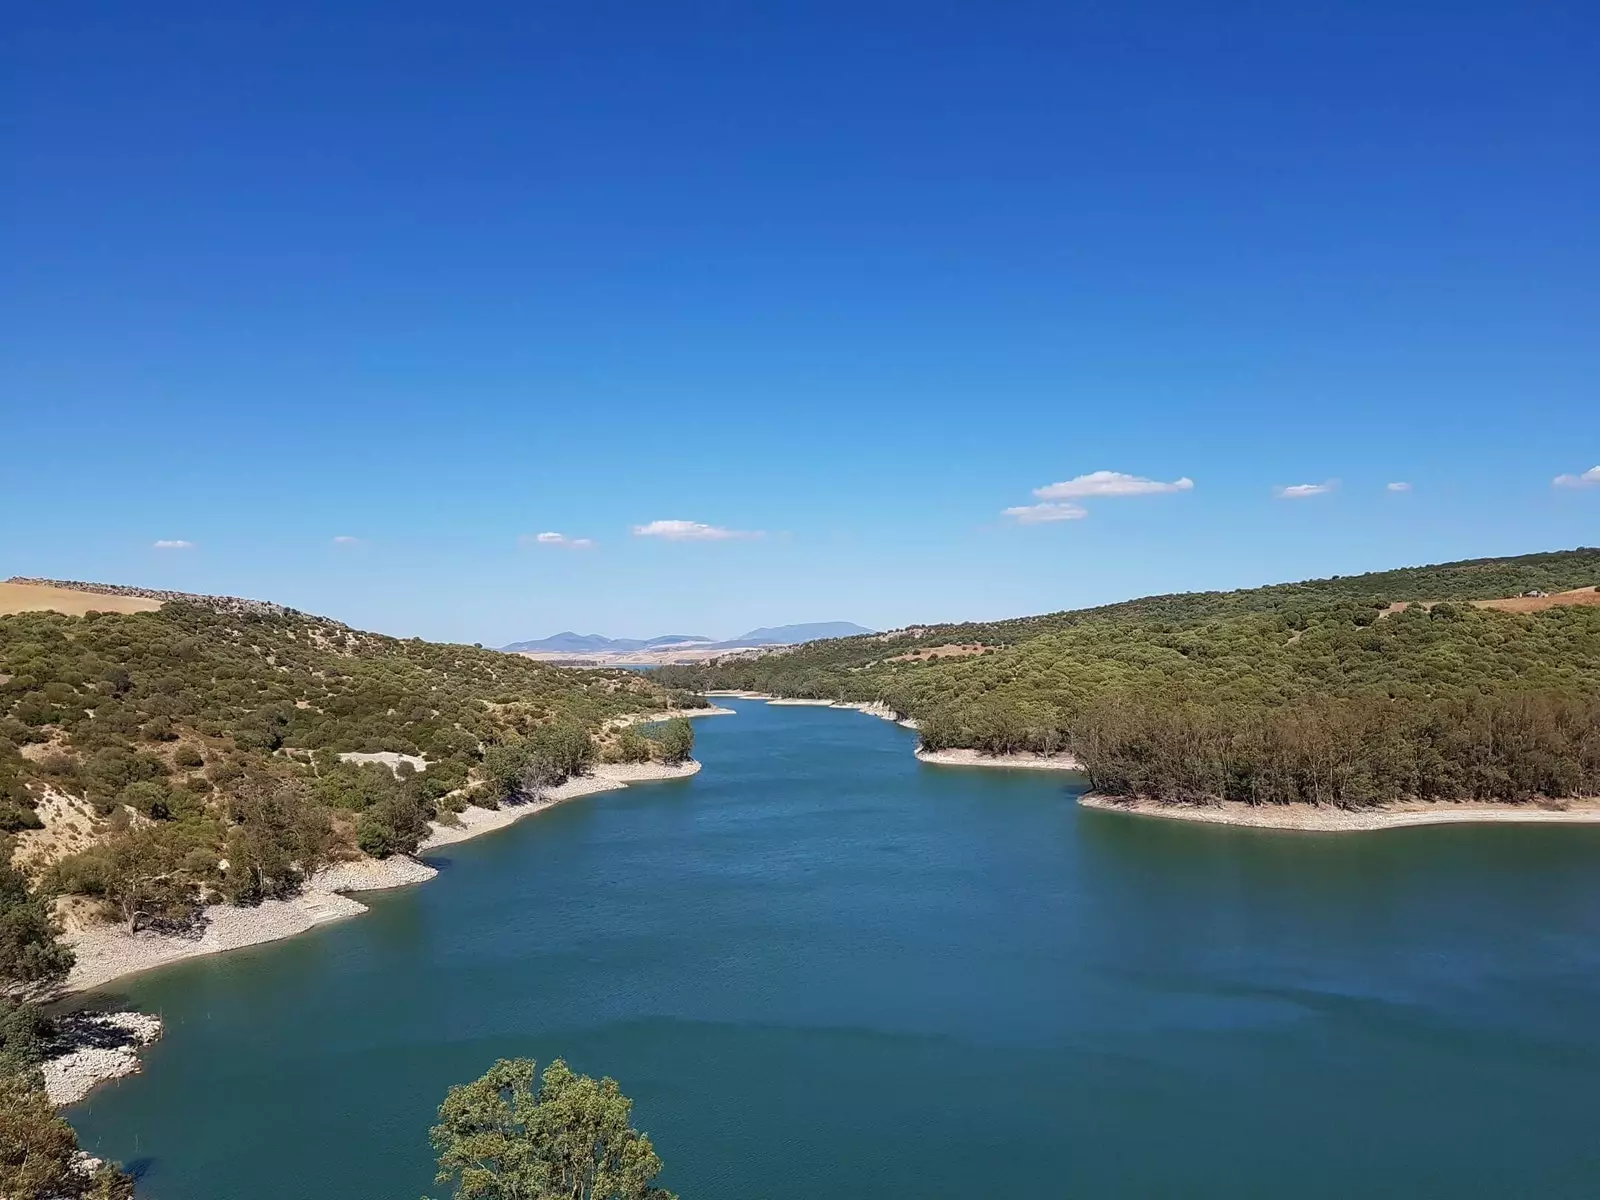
x: 1310, y: 818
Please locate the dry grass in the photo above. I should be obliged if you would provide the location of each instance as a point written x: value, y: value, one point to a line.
x: 33, y: 597
x: 952, y: 651
x: 1525, y: 604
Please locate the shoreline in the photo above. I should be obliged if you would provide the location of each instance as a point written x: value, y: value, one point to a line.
x: 1307, y: 818
x: 99, y: 1047
x: 1021, y: 760
x: 106, y: 953
x: 711, y: 710
x: 872, y: 708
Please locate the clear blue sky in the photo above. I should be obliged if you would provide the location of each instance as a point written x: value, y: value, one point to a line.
x: 861, y: 277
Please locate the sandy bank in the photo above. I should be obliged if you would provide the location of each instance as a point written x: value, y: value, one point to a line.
x: 605, y: 777
x: 1318, y: 819
x: 1024, y: 760
x: 787, y: 702
x: 94, y: 1048
x: 107, y: 952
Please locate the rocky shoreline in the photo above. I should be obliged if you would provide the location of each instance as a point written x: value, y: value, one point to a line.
x: 1020, y: 760
x: 91, y: 1048
x: 1311, y: 818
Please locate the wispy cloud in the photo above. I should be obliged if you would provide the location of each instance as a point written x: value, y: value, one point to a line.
x: 692, y: 531
x: 1302, y: 491
x: 1400, y: 486
x: 555, y: 539
x: 1100, y: 484
x: 1590, y: 478
x: 344, y: 539
x: 1041, y: 514
x: 172, y: 544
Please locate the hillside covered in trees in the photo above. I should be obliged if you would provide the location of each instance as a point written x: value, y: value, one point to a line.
x: 1352, y: 691
x: 206, y: 739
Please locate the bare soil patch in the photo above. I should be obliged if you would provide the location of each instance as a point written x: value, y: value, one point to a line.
x: 1525, y: 604
x: 965, y: 650
x: 34, y: 597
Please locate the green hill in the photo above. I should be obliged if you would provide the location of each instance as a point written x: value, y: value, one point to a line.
x: 208, y: 732
x: 1316, y: 691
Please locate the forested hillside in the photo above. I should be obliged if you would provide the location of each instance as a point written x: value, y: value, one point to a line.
x: 202, y: 735
x: 1325, y: 691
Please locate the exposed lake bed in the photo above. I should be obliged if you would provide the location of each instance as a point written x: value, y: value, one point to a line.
x: 821, y: 967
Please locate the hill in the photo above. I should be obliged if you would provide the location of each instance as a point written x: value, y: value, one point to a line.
x: 789, y: 635
x: 200, y: 744
x: 1357, y: 690
x: 591, y: 643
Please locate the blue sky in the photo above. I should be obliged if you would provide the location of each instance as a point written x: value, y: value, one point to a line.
x: 857, y: 278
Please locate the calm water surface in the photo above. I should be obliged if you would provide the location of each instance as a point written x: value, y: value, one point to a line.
x: 824, y: 970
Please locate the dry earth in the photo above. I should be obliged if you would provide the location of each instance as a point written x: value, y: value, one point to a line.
x: 33, y: 597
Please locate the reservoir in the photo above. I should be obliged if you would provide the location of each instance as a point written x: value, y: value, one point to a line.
x: 822, y: 969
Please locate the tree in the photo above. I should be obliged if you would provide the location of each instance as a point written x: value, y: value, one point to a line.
x: 676, y: 740
x: 560, y: 750
x: 142, y: 873
x: 279, y: 840
x: 39, y: 1157
x: 499, y: 1138
x: 32, y: 965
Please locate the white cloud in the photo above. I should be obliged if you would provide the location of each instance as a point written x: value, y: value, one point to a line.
x: 1590, y: 478
x: 344, y: 539
x: 172, y: 544
x: 1040, y: 514
x: 1110, y: 483
x: 692, y: 531
x: 1400, y: 486
x: 555, y: 539
x: 1299, y: 491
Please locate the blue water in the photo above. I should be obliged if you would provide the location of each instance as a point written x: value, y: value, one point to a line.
x: 825, y: 970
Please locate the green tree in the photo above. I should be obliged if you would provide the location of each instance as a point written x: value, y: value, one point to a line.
x: 676, y: 740
x: 145, y: 874
x: 571, y: 1138
x: 39, y: 1152
x: 32, y: 965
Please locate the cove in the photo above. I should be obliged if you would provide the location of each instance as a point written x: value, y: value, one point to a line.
x: 823, y: 969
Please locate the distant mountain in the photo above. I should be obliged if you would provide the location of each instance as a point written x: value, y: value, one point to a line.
x: 788, y: 635
x: 778, y: 635
x: 591, y: 643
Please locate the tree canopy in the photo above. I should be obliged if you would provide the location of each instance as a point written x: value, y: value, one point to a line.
x: 568, y: 1137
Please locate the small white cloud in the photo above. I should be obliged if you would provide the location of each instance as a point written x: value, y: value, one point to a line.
x: 344, y: 539
x: 172, y: 544
x: 1110, y: 483
x: 555, y: 539
x: 1590, y: 478
x: 1400, y: 486
x: 1041, y: 514
x: 692, y: 531
x: 1300, y: 491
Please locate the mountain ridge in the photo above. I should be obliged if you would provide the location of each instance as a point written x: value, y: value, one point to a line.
x: 568, y: 642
